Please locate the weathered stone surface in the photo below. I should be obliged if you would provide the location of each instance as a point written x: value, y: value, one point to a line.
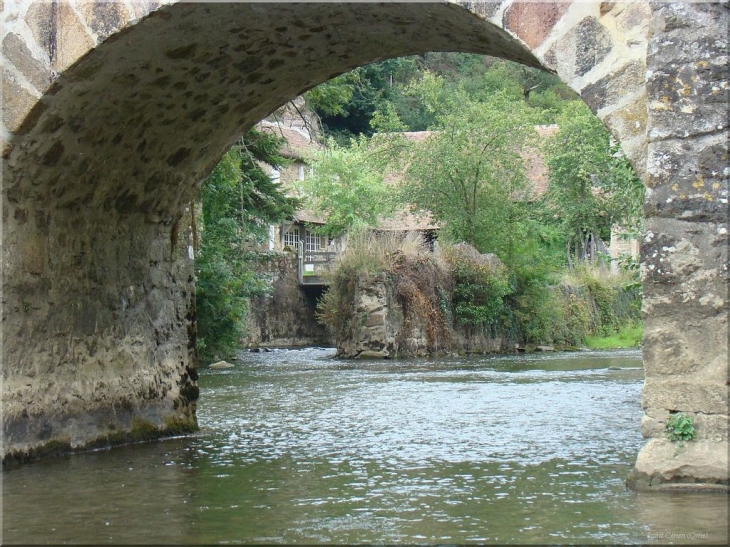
x: 708, y: 427
x: 59, y: 31
x: 628, y: 79
x: 592, y: 44
x: 17, y: 102
x: 684, y: 253
x: 629, y: 121
x: 104, y: 18
x: 15, y: 50
x: 286, y: 317
x: 533, y: 21
x: 663, y: 464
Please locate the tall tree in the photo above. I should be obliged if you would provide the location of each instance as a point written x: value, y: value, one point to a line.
x: 592, y: 185
x: 239, y: 201
x: 469, y: 172
x: 347, y: 186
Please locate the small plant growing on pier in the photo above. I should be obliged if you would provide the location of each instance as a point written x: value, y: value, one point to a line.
x: 680, y: 427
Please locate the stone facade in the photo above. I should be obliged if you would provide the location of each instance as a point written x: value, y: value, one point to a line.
x: 114, y: 111
x: 286, y: 317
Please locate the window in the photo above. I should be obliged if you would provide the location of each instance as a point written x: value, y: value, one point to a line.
x: 291, y: 238
x: 312, y: 243
x: 301, y: 172
x: 275, y: 174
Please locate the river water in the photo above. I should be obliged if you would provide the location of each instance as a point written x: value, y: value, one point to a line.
x: 297, y: 447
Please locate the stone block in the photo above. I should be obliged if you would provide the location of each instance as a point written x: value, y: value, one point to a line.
x: 619, y: 83
x: 57, y: 29
x: 708, y: 427
x: 688, y: 394
x: 629, y: 121
x: 663, y: 464
x: 581, y: 49
x: 533, y: 21
x: 17, y: 102
x: 15, y: 50
x: 104, y: 18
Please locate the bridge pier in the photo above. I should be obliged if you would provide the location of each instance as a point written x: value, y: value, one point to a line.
x: 685, y: 247
x: 99, y: 335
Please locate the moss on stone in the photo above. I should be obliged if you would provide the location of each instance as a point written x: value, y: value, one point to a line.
x: 51, y: 449
x: 140, y: 430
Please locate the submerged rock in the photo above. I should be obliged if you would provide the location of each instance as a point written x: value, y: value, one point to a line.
x: 220, y: 365
x: 372, y: 354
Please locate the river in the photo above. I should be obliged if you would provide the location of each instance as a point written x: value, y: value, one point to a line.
x: 297, y: 447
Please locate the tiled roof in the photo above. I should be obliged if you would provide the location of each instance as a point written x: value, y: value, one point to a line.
x: 298, y: 143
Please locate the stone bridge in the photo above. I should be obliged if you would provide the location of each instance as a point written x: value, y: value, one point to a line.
x: 113, y: 112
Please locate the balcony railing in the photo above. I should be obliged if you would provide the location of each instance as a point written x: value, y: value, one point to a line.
x: 313, y: 266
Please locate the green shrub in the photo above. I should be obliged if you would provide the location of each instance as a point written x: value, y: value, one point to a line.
x: 680, y: 427
x: 480, y: 283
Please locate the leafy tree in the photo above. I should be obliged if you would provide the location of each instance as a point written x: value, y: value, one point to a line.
x: 239, y: 201
x: 469, y: 173
x: 347, y: 186
x: 592, y: 185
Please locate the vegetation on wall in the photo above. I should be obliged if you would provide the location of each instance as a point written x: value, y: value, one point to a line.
x: 239, y: 201
x: 458, y: 290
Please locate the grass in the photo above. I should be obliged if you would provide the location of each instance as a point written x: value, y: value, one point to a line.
x: 628, y: 337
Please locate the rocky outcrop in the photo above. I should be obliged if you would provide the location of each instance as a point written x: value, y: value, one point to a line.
x: 382, y: 326
x: 373, y: 332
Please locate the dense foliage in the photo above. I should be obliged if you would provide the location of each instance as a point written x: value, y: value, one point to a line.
x: 357, y: 103
x: 592, y: 185
x: 239, y: 201
x: 468, y: 174
x: 347, y: 187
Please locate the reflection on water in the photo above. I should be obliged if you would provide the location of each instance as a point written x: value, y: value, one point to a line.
x: 297, y: 447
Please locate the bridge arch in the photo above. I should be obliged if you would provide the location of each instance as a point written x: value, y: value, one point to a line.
x: 113, y: 113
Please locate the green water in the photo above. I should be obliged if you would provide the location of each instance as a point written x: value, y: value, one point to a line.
x: 297, y: 447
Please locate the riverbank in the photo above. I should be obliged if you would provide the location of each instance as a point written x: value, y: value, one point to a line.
x: 627, y: 337
x: 394, y: 297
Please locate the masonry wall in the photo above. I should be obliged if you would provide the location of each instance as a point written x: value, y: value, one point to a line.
x: 685, y: 248
x: 287, y: 316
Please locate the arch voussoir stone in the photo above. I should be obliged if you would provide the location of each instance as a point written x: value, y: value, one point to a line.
x: 113, y: 113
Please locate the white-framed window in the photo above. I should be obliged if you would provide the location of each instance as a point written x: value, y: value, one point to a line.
x: 291, y: 238
x: 275, y: 174
x: 312, y: 243
x: 300, y: 174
